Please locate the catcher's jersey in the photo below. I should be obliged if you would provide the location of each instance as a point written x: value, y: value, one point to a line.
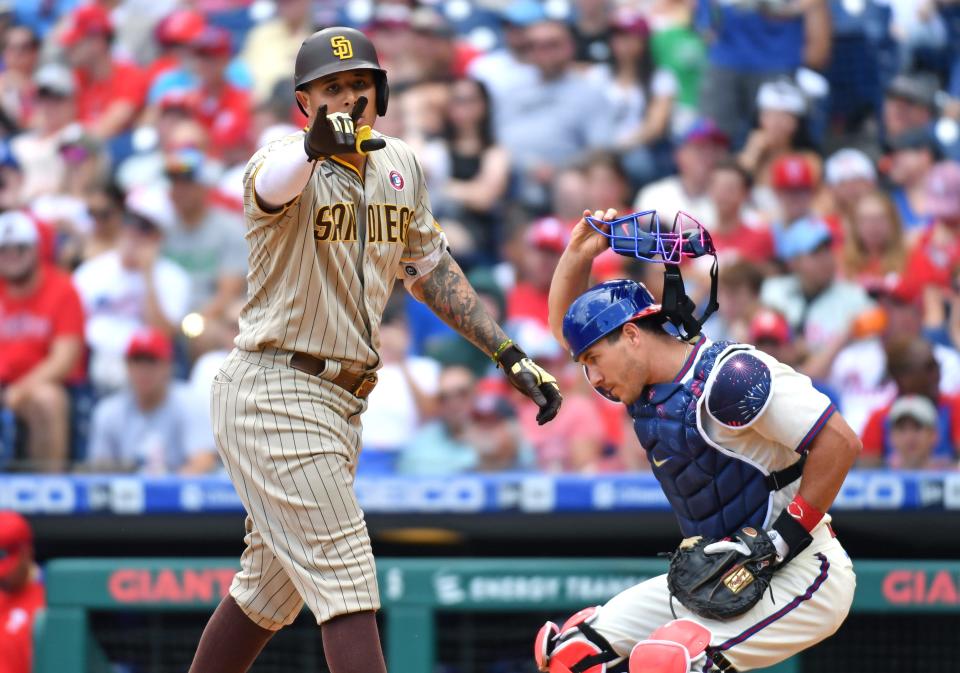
x: 307, y: 288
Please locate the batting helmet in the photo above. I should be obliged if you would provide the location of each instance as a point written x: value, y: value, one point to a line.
x: 339, y: 49
x: 604, y: 308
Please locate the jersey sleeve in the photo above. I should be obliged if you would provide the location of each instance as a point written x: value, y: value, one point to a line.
x: 756, y: 391
x: 255, y: 214
x: 424, y: 235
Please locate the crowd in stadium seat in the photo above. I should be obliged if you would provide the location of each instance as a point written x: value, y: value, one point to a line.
x: 817, y: 141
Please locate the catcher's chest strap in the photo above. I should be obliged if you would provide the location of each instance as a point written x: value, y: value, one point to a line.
x: 782, y: 478
x: 722, y: 663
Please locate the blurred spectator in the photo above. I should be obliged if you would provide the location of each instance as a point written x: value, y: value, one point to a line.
x: 22, y: 594
x: 748, y: 45
x: 270, y: 48
x: 859, y: 370
x: 849, y: 174
x: 469, y: 172
x: 915, y: 371
x: 173, y: 35
x: 545, y: 240
x: 21, y: 51
x: 155, y: 425
x: 781, y: 109
x: 131, y: 286
x: 174, y: 126
x: 732, y: 236
x: 105, y: 207
x: 217, y: 102
x: 912, y: 435
x: 54, y: 118
x: 592, y: 24
x: 874, y: 248
x: 913, y: 154
x: 769, y: 332
x: 935, y: 256
x: 405, y: 394
x: 794, y: 182
x: 11, y: 179
x: 909, y: 103
x: 494, y: 435
x: 574, y: 441
x: 442, y: 447
x: 437, y: 55
x: 639, y: 95
x: 109, y: 92
x: 390, y: 32
x: 41, y: 341
x: 677, y: 47
x: 507, y: 68
x: 815, y: 303
x: 698, y: 152
x: 206, y: 241
x: 739, y: 299
x: 553, y: 122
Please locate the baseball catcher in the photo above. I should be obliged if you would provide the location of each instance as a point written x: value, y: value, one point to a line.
x: 748, y: 453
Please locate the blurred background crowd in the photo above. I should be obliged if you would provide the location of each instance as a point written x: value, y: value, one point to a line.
x: 817, y: 140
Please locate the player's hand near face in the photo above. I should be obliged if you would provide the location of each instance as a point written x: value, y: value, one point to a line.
x: 336, y: 133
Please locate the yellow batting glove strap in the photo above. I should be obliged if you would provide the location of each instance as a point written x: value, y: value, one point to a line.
x: 363, y: 133
x: 541, y: 374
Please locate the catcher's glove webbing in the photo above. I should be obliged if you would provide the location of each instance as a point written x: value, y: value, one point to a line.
x: 722, y: 579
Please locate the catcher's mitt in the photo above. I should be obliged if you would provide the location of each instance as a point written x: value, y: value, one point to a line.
x: 722, y: 579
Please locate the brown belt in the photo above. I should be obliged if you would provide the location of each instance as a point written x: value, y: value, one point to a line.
x: 358, y: 385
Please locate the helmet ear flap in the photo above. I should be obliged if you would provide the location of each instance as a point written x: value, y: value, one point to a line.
x: 383, y: 93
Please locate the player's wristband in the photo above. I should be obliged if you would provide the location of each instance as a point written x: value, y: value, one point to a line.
x: 500, y: 349
x: 793, y: 526
x: 805, y: 514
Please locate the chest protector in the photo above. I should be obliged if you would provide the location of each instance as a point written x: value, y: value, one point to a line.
x: 712, y: 493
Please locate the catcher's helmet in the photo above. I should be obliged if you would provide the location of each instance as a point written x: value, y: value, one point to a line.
x: 604, y: 308
x: 338, y: 49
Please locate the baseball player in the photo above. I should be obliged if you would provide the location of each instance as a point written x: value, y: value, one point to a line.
x: 335, y: 214
x: 750, y: 457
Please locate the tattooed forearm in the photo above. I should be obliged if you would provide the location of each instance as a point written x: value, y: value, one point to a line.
x: 447, y: 291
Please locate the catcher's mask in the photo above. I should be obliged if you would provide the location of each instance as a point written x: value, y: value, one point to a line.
x: 642, y: 236
x: 339, y: 49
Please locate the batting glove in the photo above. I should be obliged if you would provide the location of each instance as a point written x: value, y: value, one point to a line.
x: 530, y: 379
x: 336, y: 133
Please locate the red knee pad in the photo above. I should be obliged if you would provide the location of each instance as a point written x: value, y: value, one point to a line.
x: 574, y: 645
x: 670, y: 648
x: 659, y: 656
x: 544, y: 644
x: 693, y: 636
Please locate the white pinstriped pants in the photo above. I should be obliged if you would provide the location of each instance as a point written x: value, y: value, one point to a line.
x: 289, y: 442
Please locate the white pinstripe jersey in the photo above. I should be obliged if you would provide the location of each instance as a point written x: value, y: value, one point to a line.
x: 306, y: 289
